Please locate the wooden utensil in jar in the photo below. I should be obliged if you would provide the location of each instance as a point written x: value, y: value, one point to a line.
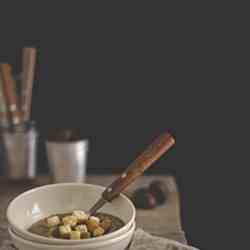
x: 4, y: 122
x: 28, y: 65
x: 9, y: 90
x: 154, y: 151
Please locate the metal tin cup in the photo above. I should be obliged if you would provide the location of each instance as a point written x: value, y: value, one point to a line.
x: 67, y: 160
x: 20, y: 152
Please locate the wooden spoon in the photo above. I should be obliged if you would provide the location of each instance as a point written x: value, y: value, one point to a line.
x: 29, y: 61
x: 9, y: 89
x: 152, y: 153
x: 4, y: 121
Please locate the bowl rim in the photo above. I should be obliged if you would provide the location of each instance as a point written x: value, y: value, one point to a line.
x: 89, y: 245
x: 63, y: 241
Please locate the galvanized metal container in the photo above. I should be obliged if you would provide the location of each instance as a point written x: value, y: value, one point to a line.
x: 67, y: 160
x: 20, y: 148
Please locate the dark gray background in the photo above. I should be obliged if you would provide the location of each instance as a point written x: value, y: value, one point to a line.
x: 124, y: 74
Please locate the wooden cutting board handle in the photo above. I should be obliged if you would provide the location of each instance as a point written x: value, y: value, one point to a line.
x: 154, y: 151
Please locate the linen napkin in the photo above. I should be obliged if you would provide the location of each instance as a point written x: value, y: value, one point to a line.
x: 7, y: 245
x: 141, y: 241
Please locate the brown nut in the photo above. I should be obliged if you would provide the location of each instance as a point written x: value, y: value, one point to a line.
x: 159, y: 190
x: 142, y: 198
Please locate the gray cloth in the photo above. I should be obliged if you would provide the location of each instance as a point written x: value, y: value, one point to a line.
x: 7, y: 245
x: 141, y: 241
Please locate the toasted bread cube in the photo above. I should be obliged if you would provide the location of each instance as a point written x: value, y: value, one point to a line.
x: 98, y: 232
x: 81, y: 216
x: 70, y: 220
x: 85, y: 235
x: 75, y: 235
x: 106, y: 224
x: 53, y: 221
x: 94, y: 218
x: 65, y: 231
x: 51, y: 231
x: 92, y: 225
x: 81, y: 228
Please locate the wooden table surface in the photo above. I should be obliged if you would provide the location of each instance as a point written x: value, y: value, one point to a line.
x: 162, y: 221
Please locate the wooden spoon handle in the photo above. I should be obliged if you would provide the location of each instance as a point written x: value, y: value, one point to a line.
x: 29, y: 61
x: 4, y: 122
x: 10, y: 93
x: 154, y: 151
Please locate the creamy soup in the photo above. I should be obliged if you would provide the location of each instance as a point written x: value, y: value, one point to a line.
x: 76, y: 225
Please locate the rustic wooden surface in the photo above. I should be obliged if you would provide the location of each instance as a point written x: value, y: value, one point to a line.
x: 162, y: 221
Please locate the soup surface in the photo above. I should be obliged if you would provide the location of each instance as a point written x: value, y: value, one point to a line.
x: 76, y: 225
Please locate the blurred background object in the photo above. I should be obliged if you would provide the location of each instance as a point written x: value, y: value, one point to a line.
x: 20, y: 148
x: 67, y: 156
x: 18, y: 133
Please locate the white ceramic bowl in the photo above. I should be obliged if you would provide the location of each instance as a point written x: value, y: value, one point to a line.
x: 118, y: 243
x: 44, y: 201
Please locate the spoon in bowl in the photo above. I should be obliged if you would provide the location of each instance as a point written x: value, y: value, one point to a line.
x: 145, y: 160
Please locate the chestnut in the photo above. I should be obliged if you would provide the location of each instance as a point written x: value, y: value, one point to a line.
x: 159, y: 190
x: 142, y: 198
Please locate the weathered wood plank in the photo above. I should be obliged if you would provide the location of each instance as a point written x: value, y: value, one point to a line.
x: 162, y: 221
